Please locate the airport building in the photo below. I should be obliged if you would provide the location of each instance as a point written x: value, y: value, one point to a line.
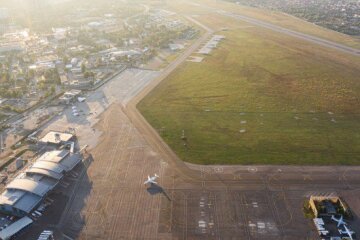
x: 54, y: 138
x: 69, y: 96
x: 25, y: 192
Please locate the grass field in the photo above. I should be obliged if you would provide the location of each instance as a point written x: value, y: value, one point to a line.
x: 260, y: 98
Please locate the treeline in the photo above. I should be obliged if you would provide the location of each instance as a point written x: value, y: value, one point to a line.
x: 338, y: 15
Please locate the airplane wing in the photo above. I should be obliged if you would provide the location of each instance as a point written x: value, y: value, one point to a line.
x: 349, y: 233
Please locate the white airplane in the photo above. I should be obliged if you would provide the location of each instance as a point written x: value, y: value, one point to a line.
x: 151, y: 179
x: 340, y: 221
x: 347, y: 232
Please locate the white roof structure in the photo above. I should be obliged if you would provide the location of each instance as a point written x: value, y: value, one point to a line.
x: 54, y: 156
x: 175, y: 47
x: 50, y: 166
x: 15, y: 227
x: 35, y: 187
x: 56, y: 137
x: 11, y: 196
x: 45, y: 172
x: 57, y: 161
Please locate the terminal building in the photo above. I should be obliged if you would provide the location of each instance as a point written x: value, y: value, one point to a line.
x: 25, y: 192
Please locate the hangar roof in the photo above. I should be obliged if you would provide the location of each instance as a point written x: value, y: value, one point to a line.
x: 53, y: 156
x: 70, y: 162
x: 27, y: 202
x: 50, y: 166
x: 45, y: 172
x: 36, y: 187
x: 11, y: 196
x: 19, y: 199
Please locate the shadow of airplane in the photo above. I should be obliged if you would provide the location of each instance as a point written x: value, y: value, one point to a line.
x: 154, y: 189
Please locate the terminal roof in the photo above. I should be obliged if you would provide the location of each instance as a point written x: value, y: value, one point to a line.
x: 28, y: 185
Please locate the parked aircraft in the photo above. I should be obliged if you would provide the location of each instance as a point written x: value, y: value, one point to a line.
x: 347, y: 232
x: 340, y: 221
x: 151, y: 180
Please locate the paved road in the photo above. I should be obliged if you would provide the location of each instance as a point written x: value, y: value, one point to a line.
x: 282, y: 30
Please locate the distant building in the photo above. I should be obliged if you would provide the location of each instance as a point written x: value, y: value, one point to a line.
x: 81, y: 83
x: 69, y: 96
x: 60, y: 33
x: 94, y: 24
x: 176, y: 47
x: 64, y: 79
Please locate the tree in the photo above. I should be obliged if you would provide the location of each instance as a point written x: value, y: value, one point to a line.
x: 83, y: 68
x: 31, y: 73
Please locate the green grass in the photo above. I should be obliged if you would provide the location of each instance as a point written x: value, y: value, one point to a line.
x: 282, y: 91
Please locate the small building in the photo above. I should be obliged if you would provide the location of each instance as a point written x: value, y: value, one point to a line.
x: 69, y: 96
x: 327, y: 206
x: 55, y: 138
x: 175, y: 47
x: 64, y: 79
x: 20, y: 163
